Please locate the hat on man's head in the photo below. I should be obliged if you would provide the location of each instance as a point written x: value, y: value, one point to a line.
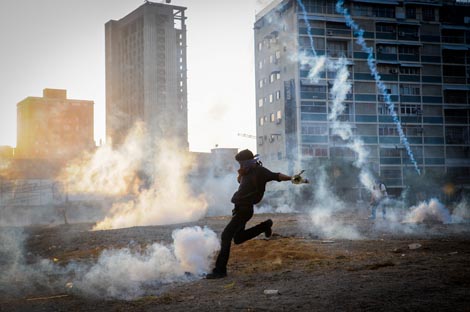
x: 244, y: 155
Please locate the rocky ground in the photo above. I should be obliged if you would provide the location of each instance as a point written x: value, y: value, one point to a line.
x: 423, y: 269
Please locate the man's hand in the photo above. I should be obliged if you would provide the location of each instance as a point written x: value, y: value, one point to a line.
x: 297, y: 179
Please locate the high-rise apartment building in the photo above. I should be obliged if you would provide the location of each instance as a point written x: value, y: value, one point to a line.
x: 53, y: 127
x: 422, y: 55
x: 146, y: 73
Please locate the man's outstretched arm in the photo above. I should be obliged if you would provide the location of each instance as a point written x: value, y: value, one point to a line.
x: 283, y: 177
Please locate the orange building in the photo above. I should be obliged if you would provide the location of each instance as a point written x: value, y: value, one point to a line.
x: 53, y: 127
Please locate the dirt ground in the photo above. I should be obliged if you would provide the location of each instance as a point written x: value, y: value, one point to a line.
x: 309, y: 272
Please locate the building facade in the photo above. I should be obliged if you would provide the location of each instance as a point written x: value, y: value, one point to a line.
x: 53, y: 127
x: 422, y: 55
x: 146, y: 73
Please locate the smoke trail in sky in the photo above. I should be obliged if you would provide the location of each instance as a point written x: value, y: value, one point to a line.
x: 341, y: 87
x: 309, y: 28
x: 359, y: 32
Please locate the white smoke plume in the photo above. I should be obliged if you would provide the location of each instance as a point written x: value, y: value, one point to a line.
x: 315, y: 63
x: 462, y: 210
x: 118, y: 273
x: 167, y: 201
x: 125, y: 274
x: 218, y: 192
x: 108, y: 171
x: 282, y: 208
x: 324, y: 214
x: 433, y: 211
x: 148, y: 182
x: 19, y: 275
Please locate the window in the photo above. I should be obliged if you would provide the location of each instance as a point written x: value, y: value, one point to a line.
x: 314, y: 88
x: 391, y: 173
x: 314, y: 150
x: 313, y: 107
x: 384, y: 109
x: 457, y: 135
x: 428, y: 14
x: 410, y: 12
x: 409, y: 89
x: 413, y: 131
x: 408, y: 50
x: 410, y: 70
x: 260, y: 102
x: 383, y: 11
x: 385, y: 28
x: 278, y: 95
x: 455, y: 96
x: 322, y: 7
x: 266, y: 43
x: 260, y: 64
x: 260, y: 46
x: 361, y: 10
x: 389, y: 152
x: 337, y: 48
x: 278, y: 115
x: 408, y: 31
x: 408, y: 109
x: 314, y: 130
x: 278, y: 54
x: 271, y: 98
x: 273, y: 117
x: 454, y: 70
x: 391, y: 89
x: 388, y: 130
x: 274, y: 76
x: 260, y: 83
x: 271, y: 59
x: 387, y: 49
x: 261, y: 121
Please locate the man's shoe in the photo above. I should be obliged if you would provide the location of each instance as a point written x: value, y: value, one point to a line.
x: 269, y: 231
x: 216, y: 275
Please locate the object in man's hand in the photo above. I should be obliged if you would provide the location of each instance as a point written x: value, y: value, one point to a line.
x: 297, y: 179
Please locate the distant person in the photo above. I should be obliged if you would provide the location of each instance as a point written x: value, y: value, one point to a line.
x: 377, y: 198
x: 252, y: 177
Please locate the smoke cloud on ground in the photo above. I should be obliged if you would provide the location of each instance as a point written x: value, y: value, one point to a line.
x: 17, y: 274
x: 126, y: 273
x: 325, y: 211
x: 118, y: 273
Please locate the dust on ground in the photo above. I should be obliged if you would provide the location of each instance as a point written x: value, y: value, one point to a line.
x: 309, y: 272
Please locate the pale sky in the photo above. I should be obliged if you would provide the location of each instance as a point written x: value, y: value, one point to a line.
x: 60, y: 44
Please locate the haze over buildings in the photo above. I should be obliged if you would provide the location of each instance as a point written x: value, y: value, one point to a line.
x: 72, y: 56
x: 54, y: 127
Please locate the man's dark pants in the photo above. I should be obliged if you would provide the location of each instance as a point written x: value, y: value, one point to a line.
x: 235, y: 230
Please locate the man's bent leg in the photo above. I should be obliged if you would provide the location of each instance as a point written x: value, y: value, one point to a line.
x: 244, y: 235
x: 235, y: 225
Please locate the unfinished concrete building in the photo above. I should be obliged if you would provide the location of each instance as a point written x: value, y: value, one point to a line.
x: 146, y: 73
